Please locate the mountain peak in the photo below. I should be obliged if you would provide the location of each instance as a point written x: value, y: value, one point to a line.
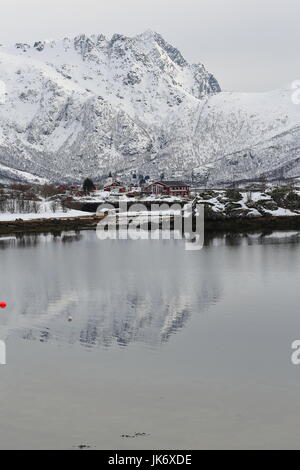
x: 148, y: 34
x: 155, y: 39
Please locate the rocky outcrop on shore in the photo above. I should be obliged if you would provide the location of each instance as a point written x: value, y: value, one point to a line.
x: 235, y: 204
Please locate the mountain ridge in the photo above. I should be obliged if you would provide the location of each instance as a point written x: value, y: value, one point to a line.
x: 87, y: 106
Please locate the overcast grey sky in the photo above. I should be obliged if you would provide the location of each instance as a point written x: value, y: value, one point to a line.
x: 250, y: 45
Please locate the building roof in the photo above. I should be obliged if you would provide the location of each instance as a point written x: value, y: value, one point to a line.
x: 173, y: 183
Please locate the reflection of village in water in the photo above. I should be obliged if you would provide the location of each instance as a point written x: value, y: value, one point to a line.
x: 107, y: 293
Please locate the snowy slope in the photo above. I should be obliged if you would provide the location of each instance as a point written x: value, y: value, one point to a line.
x: 90, y: 105
x: 242, y: 137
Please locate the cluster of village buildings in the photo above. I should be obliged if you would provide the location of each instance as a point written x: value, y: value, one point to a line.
x: 167, y: 188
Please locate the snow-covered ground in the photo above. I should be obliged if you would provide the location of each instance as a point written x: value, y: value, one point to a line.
x: 236, y: 204
x: 6, y: 217
x: 105, y: 196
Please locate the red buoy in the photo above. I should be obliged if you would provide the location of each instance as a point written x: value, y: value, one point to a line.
x: 3, y: 305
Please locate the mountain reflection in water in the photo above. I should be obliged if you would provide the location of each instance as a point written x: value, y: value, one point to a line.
x: 115, y: 293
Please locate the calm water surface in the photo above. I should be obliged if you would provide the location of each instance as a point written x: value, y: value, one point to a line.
x: 166, y: 348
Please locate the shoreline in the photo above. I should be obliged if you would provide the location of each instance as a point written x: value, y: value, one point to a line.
x: 89, y: 222
x: 244, y: 224
x: 40, y: 225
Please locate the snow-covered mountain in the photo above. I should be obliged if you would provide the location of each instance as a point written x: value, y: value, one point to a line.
x: 90, y: 105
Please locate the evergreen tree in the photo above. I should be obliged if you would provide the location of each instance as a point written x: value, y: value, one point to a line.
x: 88, y: 186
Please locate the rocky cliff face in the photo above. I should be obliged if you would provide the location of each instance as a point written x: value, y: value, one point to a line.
x: 90, y: 105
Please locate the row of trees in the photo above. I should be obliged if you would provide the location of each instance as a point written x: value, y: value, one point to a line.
x: 24, y: 206
x: 25, y: 199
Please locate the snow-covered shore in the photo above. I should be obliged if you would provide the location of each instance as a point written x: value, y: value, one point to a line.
x: 220, y: 206
x: 7, y: 217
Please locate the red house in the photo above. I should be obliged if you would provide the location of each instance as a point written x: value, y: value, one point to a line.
x: 169, y: 188
x: 115, y: 187
x: 112, y: 186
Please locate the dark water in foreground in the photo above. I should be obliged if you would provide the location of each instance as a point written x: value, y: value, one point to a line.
x: 172, y: 349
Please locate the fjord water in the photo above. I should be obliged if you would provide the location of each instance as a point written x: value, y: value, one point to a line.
x: 141, y: 344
